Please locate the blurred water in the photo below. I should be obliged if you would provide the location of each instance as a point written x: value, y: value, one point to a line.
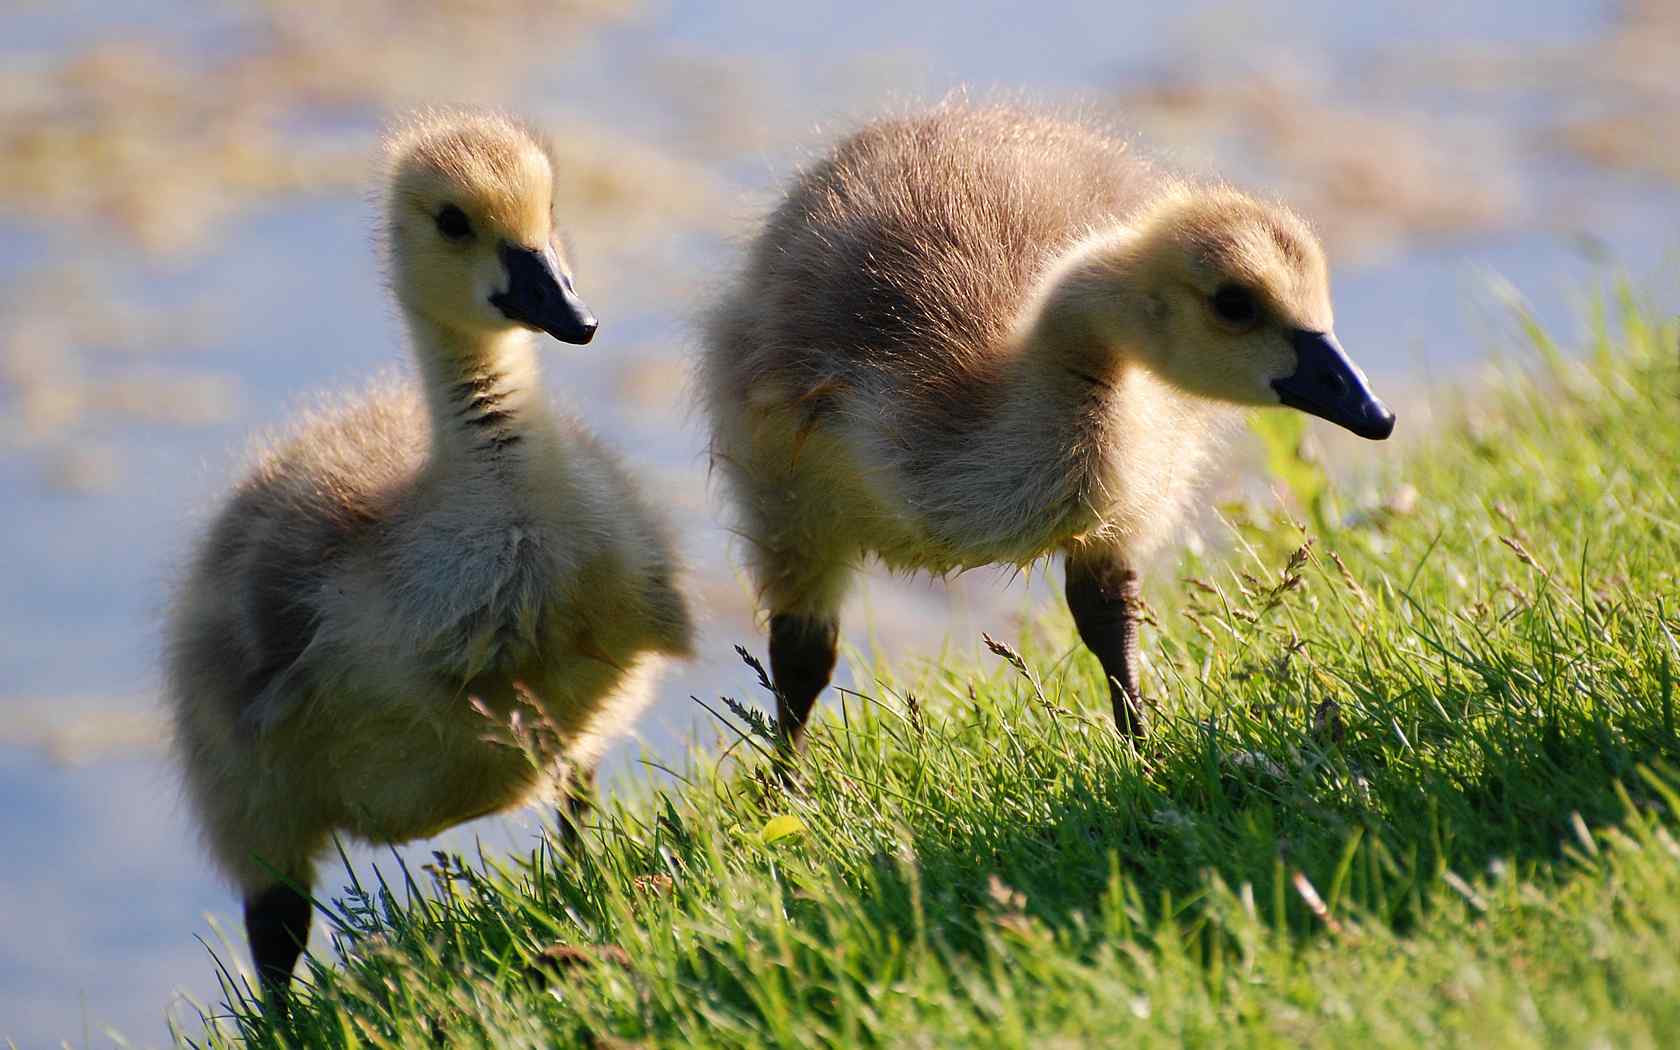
x: 104, y: 899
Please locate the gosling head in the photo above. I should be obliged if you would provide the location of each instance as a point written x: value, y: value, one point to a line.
x: 1235, y: 305
x: 472, y: 240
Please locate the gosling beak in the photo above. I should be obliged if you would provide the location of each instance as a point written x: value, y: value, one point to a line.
x: 1327, y: 384
x: 541, y: 296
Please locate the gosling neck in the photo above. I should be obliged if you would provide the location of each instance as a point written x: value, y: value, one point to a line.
x: 482, y: 394
x: 1081, y: 325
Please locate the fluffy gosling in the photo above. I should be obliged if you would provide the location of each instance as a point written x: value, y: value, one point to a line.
x: 393, y: 578
x: 982, y: 335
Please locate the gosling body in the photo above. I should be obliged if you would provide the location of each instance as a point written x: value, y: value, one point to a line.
x: 985, y: 335
x: 399, y: 579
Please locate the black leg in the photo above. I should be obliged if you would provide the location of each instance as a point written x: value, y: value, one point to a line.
x: 576, y: 801
x: 1103, y: 596
x: 277, y: 923
x: 802, y: 654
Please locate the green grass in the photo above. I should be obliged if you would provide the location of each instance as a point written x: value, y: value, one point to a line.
x: 1413, y: 782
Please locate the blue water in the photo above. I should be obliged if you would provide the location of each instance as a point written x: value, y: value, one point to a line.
x: 104, y: 900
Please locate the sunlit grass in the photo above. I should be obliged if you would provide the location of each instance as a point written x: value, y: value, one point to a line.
x: 1413, y: 782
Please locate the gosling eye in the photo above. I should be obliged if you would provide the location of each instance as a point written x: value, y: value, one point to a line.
x: 452, y: 223
x: 1235, y: 306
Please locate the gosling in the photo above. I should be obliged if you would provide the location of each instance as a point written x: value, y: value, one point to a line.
x: 985, y: 335
x: 396, y: 582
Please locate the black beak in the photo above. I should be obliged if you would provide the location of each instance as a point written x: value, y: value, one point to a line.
x: 541, y: 296
x: 1329, y: 385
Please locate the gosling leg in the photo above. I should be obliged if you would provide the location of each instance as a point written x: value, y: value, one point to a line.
x: 277, y: 925
x: 803, y: 650
x: 1103, y: 595
x: 577, y: 800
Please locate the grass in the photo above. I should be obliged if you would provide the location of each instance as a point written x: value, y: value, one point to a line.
x: 1414, y: 781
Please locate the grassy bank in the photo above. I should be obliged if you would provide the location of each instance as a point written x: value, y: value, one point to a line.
x: 1414, y: 781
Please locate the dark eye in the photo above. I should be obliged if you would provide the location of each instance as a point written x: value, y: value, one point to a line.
x: 1235, y: 305
x: 452, y: 223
